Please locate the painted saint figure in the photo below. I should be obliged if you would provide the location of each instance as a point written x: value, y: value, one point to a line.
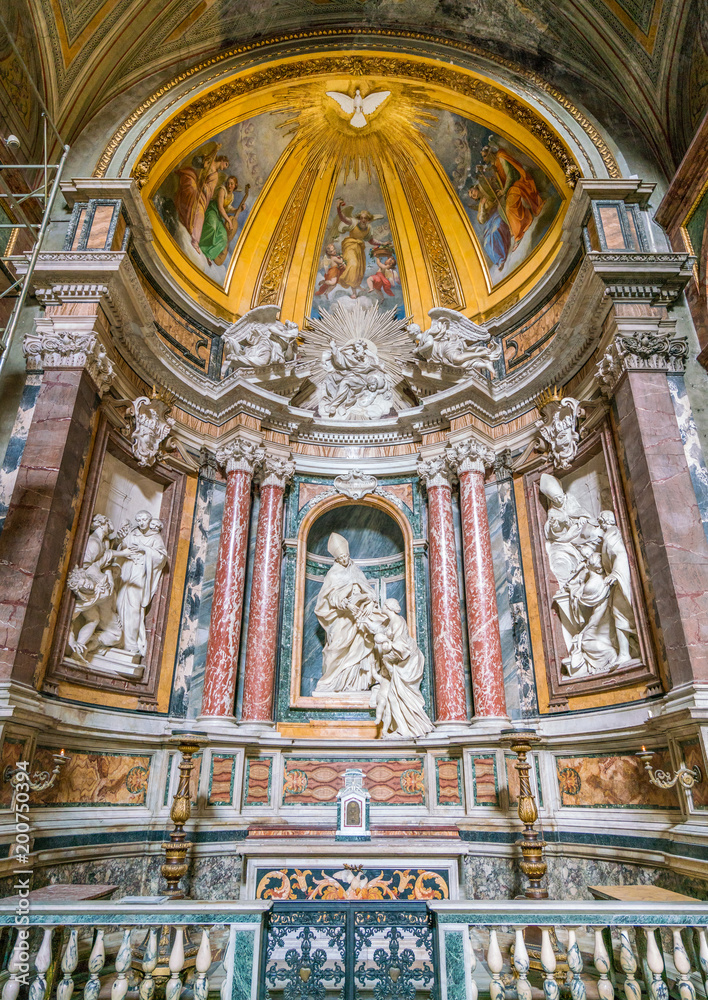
x: 221, y: 221
x: 197, y: 184
x: 358, y: 230
x: 516, y: 190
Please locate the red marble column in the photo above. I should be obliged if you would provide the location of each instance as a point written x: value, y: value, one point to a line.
x: 36, y: 534
x: 673, y: 539
x: 469, y: 459
x: 448, y: 660
x: 240, y: 459
x: 262, y: 645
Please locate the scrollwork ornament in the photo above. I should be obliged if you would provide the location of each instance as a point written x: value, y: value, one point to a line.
x: 64, y: 349
x: 355, y: 484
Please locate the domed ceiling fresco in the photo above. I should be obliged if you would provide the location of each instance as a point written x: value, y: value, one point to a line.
x: 403, y: 190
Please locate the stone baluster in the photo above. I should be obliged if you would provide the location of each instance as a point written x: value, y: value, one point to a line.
x: 703, y: 952
x: 241, y: 460
x: 124, y: 959
x: 147, y: 984
x: 42, y: 962
x: 69, y: 961
x: 469, y: 460
x: 203, y: 964
x: 18, y: 958
x: 687, y: 990
x: 262, y: 644
x: 496, y: 964
x: 575, y: 964
x: 96, y: 962
x: 601, y: 958
x: 655, y: 961
x: 632, y: 989
x: 173, y: 987
x: 450, y: 698
x: 522, y: 965
x: 551, y: 989
x: 472, y: 991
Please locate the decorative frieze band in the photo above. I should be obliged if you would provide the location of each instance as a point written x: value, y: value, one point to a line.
x: 653, y: 350
x: 241, y: 456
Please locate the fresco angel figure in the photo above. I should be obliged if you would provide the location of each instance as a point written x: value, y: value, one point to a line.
x: 453, y: 339
x: 259, y: 339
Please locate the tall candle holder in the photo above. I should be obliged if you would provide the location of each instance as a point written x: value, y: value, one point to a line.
x: 522, y: 741
x: 177, y: 848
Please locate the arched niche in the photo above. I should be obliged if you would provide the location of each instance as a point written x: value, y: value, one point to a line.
x: 381, y: 543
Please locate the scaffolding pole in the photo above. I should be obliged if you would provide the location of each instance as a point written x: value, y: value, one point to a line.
x: 18, y: 218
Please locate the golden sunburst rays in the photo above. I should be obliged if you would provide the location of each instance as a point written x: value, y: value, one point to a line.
x: 358, y: 319
x: 323, y: 129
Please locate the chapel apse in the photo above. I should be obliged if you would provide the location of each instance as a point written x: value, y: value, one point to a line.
x: 282, y: 201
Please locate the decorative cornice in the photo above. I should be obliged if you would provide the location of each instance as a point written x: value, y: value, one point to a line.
x: 435, y: 471
x: 241, y: 456
x: 469, y: 456
x: 654, y: 278
x: 657, y: 350
x: 52, y: 348
x: 276, y: 471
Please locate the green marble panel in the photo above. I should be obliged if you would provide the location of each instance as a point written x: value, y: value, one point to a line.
x: 454, y: 958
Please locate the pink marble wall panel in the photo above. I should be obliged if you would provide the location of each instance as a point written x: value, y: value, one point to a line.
x: 227, y: 605
x: 482, y: 614
x: 672, y: 532
x: 445, y: 599
x: 262, y: 646
x: 40, y: 517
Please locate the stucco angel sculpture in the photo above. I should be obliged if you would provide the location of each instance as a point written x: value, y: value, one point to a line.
x: 453, y: 339
x: 259, y: 339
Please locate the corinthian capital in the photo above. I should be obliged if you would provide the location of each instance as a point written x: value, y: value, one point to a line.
x: 56, y: 348
x: 469, y: 456
x: 435, y: 471
x: 652, y: 349
x: 276, y: 471
x: 240, y: 456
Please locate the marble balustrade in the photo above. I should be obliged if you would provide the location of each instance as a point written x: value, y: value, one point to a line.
x: 603, y: 948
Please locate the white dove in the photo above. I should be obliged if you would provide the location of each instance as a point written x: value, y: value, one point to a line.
x: 358, y: 107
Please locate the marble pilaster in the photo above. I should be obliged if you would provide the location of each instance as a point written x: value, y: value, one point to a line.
x: 241, y: 458
x: 448, y: 657
x: 76, y: 370
x: 634, y: 370
x: 262, y: 643
x: 469, y: 459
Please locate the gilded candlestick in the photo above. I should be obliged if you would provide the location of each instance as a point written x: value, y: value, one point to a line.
x: 177, y: 848
x: 532, y: 844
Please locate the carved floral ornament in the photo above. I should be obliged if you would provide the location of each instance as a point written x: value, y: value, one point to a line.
x: 558, y: 429
x: 149, y: 427
x: 642, y: 350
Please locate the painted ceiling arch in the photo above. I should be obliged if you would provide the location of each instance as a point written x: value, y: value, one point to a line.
x: 450, y: 193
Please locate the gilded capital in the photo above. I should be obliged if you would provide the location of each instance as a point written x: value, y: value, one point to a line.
x: 469, y: 456
x: 241, y: 456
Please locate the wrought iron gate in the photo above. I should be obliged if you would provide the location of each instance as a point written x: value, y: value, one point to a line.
x: 349, y: 951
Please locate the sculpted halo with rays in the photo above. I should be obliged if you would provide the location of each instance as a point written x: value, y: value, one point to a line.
x: 350, y: 321
x: 322, y: 127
